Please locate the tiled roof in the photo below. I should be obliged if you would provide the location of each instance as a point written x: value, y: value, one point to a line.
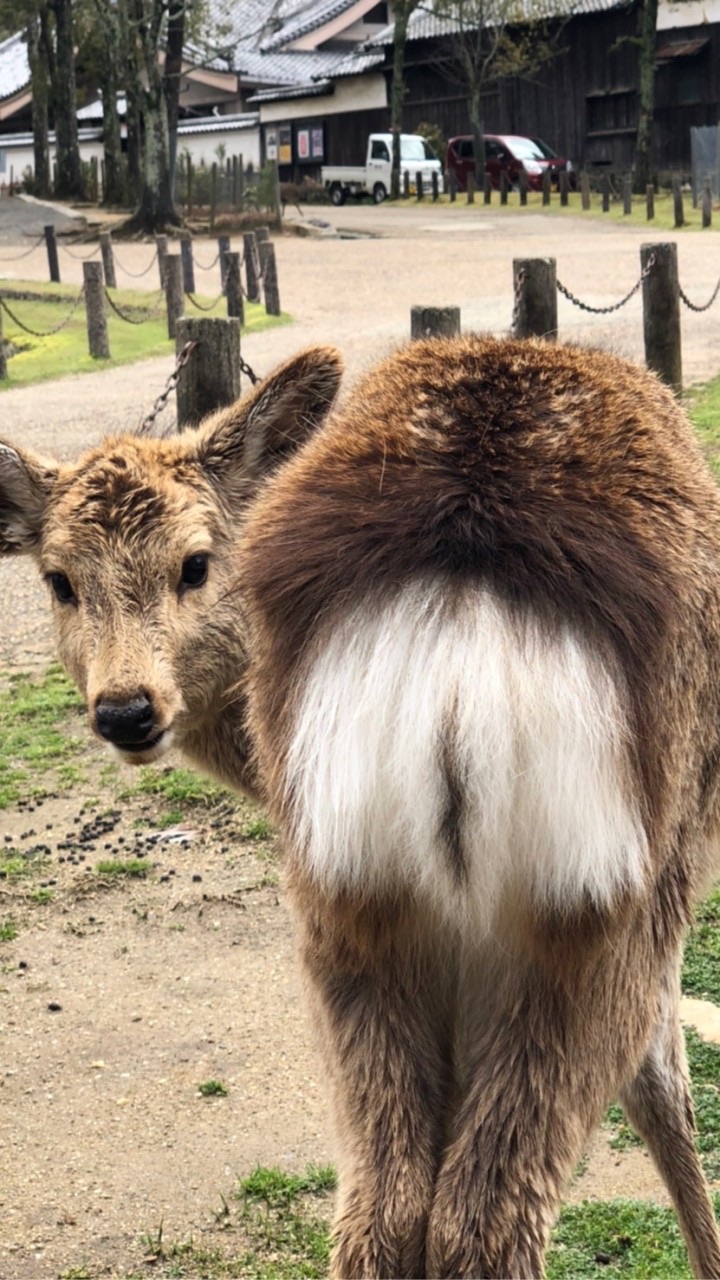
x: 315, y: 89
x: 14, y: 65
x: 216, y: 124
x: 426, y: 26
x: 313, y: 16
x: 260, y: 68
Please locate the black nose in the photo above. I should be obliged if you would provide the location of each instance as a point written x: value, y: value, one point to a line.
x: 125, y: 723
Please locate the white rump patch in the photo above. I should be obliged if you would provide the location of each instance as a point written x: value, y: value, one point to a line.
x: 439, y: 706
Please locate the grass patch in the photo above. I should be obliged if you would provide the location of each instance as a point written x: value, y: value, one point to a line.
x: 703, y: 404
x: 701, y: 966
x: 257, y: 829
x: 635, y: 1240
x: 177, y: 787
x: 59, y: 354
x: 130, y: 869
x: 212, y: 1089
x: 34, y: 714
x: 8, y: 931
x: 664, y: 219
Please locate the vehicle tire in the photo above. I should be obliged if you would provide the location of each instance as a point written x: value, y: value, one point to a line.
x: 379, y: 193
x: 338, y: 194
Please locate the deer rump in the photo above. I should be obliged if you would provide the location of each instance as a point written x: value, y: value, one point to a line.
x: 483, y: 693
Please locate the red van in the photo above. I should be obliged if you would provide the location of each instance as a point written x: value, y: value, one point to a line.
x: 506, y: 153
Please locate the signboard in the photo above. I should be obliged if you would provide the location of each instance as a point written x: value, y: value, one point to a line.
x: 309, y: 142
x: 271, y: 143
x: 284, y: 144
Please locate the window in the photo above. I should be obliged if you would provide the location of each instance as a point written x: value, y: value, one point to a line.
x: 379, y: 150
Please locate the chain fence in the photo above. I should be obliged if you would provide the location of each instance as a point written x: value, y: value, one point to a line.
x: 150, y: 314
x: 43, y: 333
x: 79, y: 257
x: 135, y: 275
x: 615, y: 306
x: 693, y: 306
x: 199, y: 306
x: 15, y: 257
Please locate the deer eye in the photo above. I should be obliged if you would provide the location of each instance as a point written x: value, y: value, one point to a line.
x: 62, y: 587
x: 194, y: 571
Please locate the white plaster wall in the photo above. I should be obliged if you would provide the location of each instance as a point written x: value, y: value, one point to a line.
x: 359, y: 93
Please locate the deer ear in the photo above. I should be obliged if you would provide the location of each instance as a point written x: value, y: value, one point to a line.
x: 26, y: 482
x: 267, y: 427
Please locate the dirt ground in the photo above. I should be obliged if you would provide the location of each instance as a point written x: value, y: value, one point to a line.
x: 190, y: 976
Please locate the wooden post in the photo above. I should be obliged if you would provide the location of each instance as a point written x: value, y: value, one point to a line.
x: 277, y: 202
x: 262, y: 233
x: 268, y: 268
x: 535, y: 289
x: 188, y: 266
x: 678, y: 203
x: 605, y: 189
x: 213, y: 194
x: 241, y: 179
x: 233, y: 287
x: 470, y: 188
x: 707, y: 203
x: 650, y: 201
x: 585, y: 190
x: 432, y: 322
x: 98, y: 342
x: 487, y: 188
x: 211, y: 377
x: 627, y: 195
x: 161, y: 244
x: 223, y: 244
x: 190, y: 174
x: 3, y: 353
x: 546, y: 187
x: 252, y: 266
x: 406, y: 185
x: 94, y: 182
x: 419, y: 186
x: 564, y: 183
x: 52, y: 253
x: 503, y: 187
x: 108, y: 260
x: 452, y: 185
x: 435, y: 184
x: 174, y: 292
x: 661, y: 313
x: 523, y: 186
x: 234, y: 182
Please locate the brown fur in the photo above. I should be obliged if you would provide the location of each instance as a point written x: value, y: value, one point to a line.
x: 466, y: 1076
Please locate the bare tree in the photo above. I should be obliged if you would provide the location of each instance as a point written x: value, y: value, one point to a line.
x: 647, y: 23
x: 402, y: 11
x: 488, y: 40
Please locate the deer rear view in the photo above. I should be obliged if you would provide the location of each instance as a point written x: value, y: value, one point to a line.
x: 462, y: 635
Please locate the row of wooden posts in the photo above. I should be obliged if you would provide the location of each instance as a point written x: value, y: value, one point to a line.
x: 536, y: 308
x: 451, y: 185
x: 177, y: 278
x: 211, y: 376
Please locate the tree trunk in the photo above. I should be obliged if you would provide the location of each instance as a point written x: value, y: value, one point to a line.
x: 397, y: 93
x: 171, y: 77
x: 133, y: 94
x: 114, y: 188
x: 40, y: 82
x: 477, y: 128
x: 646, y: 75
x: 69, y: 174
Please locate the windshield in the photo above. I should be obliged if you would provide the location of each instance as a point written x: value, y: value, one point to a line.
x: 531, y: 149
x: 413, y: 147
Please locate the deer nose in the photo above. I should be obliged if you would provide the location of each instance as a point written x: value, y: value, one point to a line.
x: 125, y: 723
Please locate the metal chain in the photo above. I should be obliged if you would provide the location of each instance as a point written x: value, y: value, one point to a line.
x: 249, y: 373
x: 183, y: 356
x: 136, y: 275
x: 37, y: 333
x: 693, y: 306
x: 214, y: 262
x: 79, y: 257
x: 199, y: 305
x: 27, y: 252
x: 146, y: 315
x: 605, y: 311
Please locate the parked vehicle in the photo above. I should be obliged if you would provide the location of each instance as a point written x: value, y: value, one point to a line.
x: 373, y: 178
x: 506, y: 153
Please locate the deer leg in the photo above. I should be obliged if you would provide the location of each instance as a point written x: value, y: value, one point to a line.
x: 659, y: 1106
x: 551, y: 1045
x: 381, y: 998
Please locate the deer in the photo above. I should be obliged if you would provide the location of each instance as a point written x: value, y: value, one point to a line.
x: 458, y: 629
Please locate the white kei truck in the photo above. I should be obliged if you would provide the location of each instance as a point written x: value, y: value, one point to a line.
x: 373, y: 178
